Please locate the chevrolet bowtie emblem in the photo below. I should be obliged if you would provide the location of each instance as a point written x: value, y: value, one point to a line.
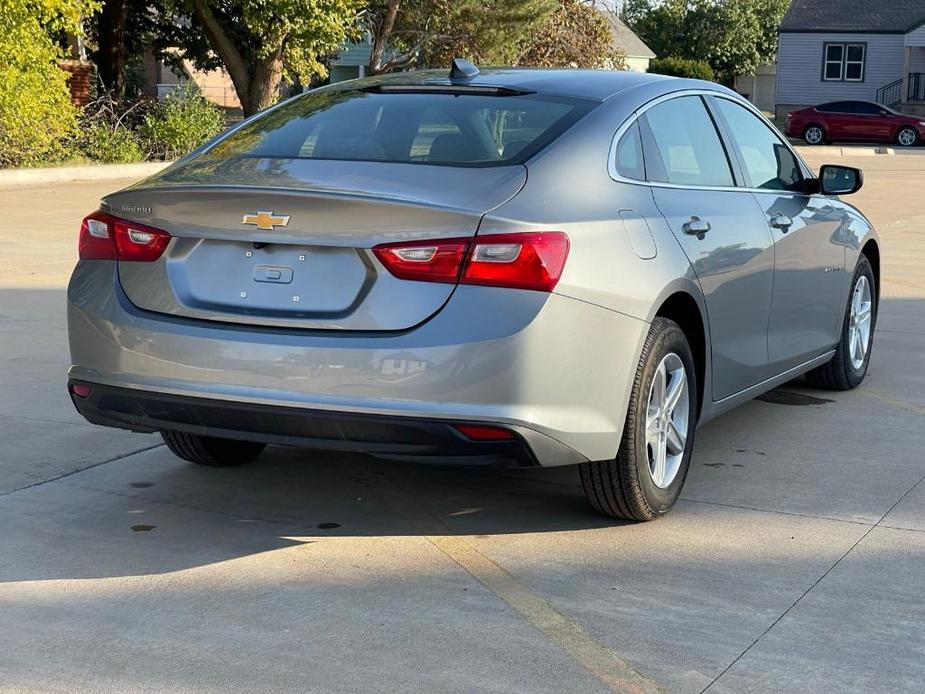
x: 266, y: 220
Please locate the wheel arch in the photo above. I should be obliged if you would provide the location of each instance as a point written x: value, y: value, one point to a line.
x: 871, y: 250
x: 682, y: 308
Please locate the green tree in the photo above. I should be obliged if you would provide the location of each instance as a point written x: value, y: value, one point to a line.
x: 577, y: 34
x: 36, y: 114
x: 259, y: 42
x: 733, y: 36
x: 429, y: 33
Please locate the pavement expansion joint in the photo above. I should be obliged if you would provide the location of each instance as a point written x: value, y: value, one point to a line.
x: 815, y: 583
x: 79, y: 470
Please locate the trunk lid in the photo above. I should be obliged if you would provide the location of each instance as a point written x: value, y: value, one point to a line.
x: 286, y: 242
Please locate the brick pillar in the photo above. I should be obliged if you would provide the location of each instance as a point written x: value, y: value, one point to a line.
x: 79, y: 80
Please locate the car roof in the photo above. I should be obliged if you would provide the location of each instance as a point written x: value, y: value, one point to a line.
x: 589, y: 84
x: 849, y: 101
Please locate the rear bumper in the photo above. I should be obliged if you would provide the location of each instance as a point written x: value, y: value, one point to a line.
x: 556, y: 370
x: 399, y: 438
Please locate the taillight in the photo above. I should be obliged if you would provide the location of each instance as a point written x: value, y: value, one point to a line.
x: 533, y: 260
x: 104, y: 237
x: 522, y: 261
x: 426, y: 262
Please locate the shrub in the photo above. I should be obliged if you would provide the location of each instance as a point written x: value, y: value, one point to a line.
x: 179, y: 124
x: 682, y: 67
x: 105, y: 131
x: 109, y: 145
x: 36, y: 114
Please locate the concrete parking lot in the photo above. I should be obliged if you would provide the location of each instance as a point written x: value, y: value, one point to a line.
x: 794, y: 561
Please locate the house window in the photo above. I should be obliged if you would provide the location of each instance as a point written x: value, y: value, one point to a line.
x: 844, y: 62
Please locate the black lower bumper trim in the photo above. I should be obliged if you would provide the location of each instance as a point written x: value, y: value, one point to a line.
x: 386, y: 436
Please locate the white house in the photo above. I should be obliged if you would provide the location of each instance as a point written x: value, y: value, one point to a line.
x: 638, y: 54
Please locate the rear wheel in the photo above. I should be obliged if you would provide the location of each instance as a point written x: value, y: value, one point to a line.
x: 907, y: 137
x: 852, y: 355
x: 644, y: 481
x: 814, y: 134
x: 207, y: 450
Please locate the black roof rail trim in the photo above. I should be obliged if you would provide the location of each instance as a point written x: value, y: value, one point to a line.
x: 445, y: 89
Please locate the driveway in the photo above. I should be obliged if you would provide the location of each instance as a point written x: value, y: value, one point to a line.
x: 794, y: 561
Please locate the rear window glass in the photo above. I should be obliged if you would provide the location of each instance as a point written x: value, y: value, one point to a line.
x: 414, y: 127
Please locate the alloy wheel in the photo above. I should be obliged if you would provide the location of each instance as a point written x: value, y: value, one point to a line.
x: 859, y: 322
x: 907, y: 137
x: 667, y: 417
x: 814, y: 135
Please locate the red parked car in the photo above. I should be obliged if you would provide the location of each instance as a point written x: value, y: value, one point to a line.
x: 855, y: 120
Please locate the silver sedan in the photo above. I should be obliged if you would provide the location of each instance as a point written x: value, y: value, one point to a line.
x: 505, y: 267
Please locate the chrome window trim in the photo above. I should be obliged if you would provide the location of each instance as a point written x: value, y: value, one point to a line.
x: 634, y: 116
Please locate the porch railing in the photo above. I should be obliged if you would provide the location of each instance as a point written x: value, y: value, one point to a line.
x: 892, y: 94
x: 916, y: 87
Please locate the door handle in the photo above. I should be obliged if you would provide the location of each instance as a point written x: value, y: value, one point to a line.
x: 781, y: 221
x: 696, y: 227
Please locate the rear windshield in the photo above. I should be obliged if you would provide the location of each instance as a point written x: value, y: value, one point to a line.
x: 455, y: 128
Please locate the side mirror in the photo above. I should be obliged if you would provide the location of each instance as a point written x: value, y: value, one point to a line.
x: 839, y: 180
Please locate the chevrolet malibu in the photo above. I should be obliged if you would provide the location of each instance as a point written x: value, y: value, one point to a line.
x: 506, y: 267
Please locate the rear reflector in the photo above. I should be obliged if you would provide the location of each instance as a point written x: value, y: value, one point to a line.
x: 104, y: 237
x: 532, y: 260
x: 484, y: 432
x: 81, y: 390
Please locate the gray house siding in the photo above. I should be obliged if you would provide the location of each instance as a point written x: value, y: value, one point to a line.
x: 799, y: 68
x: 917, y: 60
x: 916, y: 39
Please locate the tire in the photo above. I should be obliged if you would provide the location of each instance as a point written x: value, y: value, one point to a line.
x: 626, y: 486
x: 213, y: 452
x: 814, y: 134
x: 845, y: 371
x: 907, y: 137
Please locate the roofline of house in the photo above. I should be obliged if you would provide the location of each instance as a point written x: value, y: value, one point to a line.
x: 879, y: 32
x: 900, y: 32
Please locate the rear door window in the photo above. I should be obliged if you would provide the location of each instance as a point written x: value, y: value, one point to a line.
x: 684, y: 146
x: 460, y: 128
